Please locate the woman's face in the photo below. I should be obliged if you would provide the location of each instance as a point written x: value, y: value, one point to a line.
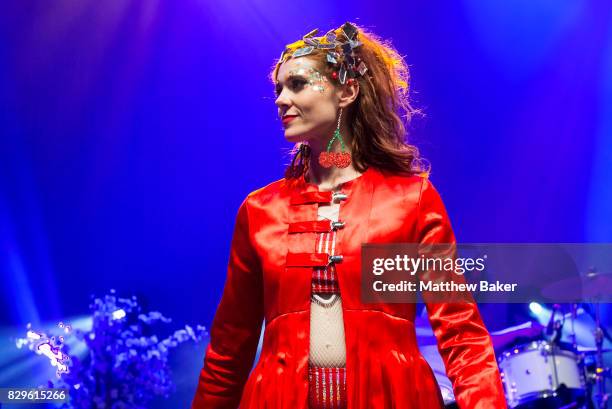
x: 307, y: 101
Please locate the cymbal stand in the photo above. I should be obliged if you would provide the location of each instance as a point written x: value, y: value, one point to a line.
x: 601, y: 373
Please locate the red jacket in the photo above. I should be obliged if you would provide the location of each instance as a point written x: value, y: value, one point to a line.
x: 266, y: 279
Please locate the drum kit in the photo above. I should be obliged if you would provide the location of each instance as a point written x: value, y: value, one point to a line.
x: 559, y: 367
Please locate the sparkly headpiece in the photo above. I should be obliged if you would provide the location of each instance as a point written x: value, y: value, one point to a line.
x: 340, y: 51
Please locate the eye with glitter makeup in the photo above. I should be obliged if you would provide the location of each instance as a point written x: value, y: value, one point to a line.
x: 295, y: 84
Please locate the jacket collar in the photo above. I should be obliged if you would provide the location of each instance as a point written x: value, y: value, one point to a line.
x: 301, y: 185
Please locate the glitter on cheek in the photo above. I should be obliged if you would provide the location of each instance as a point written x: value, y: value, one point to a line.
x: 317, y: 80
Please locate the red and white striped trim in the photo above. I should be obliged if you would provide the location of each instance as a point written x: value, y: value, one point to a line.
x: 324, y: 279
x: 327, y: 388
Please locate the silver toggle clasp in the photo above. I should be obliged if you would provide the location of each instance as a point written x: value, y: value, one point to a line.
x: 337, y: 196
x: 337, y: 225
x: 335, y: 259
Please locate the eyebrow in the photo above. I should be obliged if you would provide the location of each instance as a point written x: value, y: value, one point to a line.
x: 293, y: 76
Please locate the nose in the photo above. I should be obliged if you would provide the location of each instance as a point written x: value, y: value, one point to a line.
x: 282, y: 102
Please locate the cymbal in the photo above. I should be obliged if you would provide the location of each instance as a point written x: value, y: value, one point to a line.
x: 593, y: 285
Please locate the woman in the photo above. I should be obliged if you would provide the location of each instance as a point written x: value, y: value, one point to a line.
x: 295, y: 257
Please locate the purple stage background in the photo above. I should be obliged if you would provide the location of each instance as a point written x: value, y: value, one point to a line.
x: 130, y: 131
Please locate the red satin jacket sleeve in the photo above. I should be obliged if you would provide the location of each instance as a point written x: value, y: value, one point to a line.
x: 463, y: 340
x: 235, y: 330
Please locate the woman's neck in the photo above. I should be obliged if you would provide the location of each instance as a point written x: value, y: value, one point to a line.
x: 329, y: 178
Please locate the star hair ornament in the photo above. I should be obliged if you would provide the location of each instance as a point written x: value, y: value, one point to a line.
x: 340, y: 52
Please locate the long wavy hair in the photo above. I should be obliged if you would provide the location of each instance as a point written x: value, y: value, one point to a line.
x: 378, y: 117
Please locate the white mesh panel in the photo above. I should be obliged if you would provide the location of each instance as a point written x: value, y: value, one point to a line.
x: 327, y: 343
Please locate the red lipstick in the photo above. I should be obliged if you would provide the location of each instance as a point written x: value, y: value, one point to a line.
x: 288, y: 118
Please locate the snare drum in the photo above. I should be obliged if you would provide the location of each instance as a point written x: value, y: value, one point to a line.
x: 539, y: 371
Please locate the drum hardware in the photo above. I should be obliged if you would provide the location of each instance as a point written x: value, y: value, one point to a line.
x: 601, y: 373
x: 539, y: 372
x: 595, y: 287
x: 549, y: 373
x: 598, y: 286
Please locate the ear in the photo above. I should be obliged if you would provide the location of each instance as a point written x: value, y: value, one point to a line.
x: 348, y: 93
